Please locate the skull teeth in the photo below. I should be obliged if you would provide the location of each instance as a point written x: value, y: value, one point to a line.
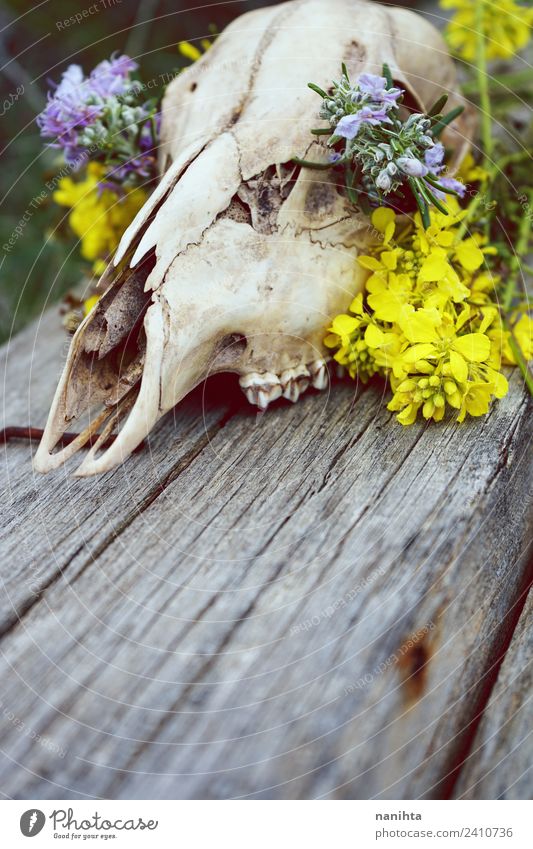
x: 262, y: 389
x: 319, y: 374
x: 294, y: 382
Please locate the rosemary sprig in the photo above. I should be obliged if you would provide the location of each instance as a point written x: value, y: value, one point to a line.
x: 379, y: 149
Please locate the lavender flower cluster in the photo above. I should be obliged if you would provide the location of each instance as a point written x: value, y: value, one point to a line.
x: 389, y: 152
x: 351, y: 107
x: 98, y: 117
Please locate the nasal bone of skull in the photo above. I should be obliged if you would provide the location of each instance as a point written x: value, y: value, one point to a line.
x: 156, y: 396
x: 170, y: 372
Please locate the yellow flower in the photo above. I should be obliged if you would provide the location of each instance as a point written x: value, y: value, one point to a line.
x: 506, y: 26
x: 446, y: 382
x: 522, y: 329
x: 427, y: 319
x: 90, y: 303
x: 422, y: 267
x: 190, y: 51
x: 99, y: 216
x: 357, y: 339
x: 470, y: 172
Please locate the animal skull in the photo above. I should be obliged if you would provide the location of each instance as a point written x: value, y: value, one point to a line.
x: 239, y: 259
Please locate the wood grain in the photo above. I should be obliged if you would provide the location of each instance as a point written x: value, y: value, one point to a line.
x: 50, y: 520
x: 499, y: 764
x: 310, y: 603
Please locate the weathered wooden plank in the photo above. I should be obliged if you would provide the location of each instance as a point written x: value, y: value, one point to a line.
x: 308, y: 605
x: 49, y: 521
x: 499, y: 765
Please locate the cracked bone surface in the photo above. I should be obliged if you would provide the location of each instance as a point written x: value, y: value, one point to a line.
x: 239, y: 259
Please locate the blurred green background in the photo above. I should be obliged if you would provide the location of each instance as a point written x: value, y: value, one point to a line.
x: 34, y: 49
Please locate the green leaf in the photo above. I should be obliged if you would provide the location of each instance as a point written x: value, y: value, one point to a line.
x: 387, y: 74
x: 437, y: 106
x: 438, y: 186
x: 324, y: 131
x: 420, y: 202
x: 345, y: 71
x: 430, y: 197
x: 447, y: 119
x: 318, y: 166
x: 351, y: 191
x: 364, y: 203
x: 318, y: 90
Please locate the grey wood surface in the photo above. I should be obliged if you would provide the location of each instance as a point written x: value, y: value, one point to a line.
x: 499, y: 765
x: 310, y: 603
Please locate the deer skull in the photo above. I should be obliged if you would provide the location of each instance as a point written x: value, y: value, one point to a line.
x: 239, y: 259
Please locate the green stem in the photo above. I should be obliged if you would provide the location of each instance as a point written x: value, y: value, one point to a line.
x: 515, y: 269
x: 483, y: 83
x: 512, y: 81
x: 515, y: 265
x: 482, y: 195
x: 519, y: 357
x: 484, y: 97
x: 317, y: 166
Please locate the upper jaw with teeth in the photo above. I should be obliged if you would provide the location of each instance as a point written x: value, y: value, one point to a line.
x: 238, y: 260
x: 263, y: 389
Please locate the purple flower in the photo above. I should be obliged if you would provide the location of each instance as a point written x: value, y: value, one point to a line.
x: 372, y: 84
x: 77, y: 102
x: 334, y: 157
x: 111, y: 77
x: 349, y: 126
x: 454, y: 185
x: 434, y: 157
x: 412, y: 167
x: 144, y: 164
x: 376, y: 88
x: 67, y: 112
x: 374, y: 116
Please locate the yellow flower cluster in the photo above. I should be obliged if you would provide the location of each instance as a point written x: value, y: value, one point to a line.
x: 506, y: 26
x: 99, y: 215
x: 428, y: 319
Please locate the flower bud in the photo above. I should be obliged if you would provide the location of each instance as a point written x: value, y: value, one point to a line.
x: 383, y: 181
x: 407, y: 386
x: 428, y: 409
x: 412, y: 167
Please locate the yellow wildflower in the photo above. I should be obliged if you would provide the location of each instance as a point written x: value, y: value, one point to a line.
x: 506, y: 26
x: 191, y: 51
x: 427, y: 319
x: 423, y: 267
x: 90, y: 303
x: 522, y: 329
x: 99, y: 216
x: 358, y: 338
x: 470, y: 172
